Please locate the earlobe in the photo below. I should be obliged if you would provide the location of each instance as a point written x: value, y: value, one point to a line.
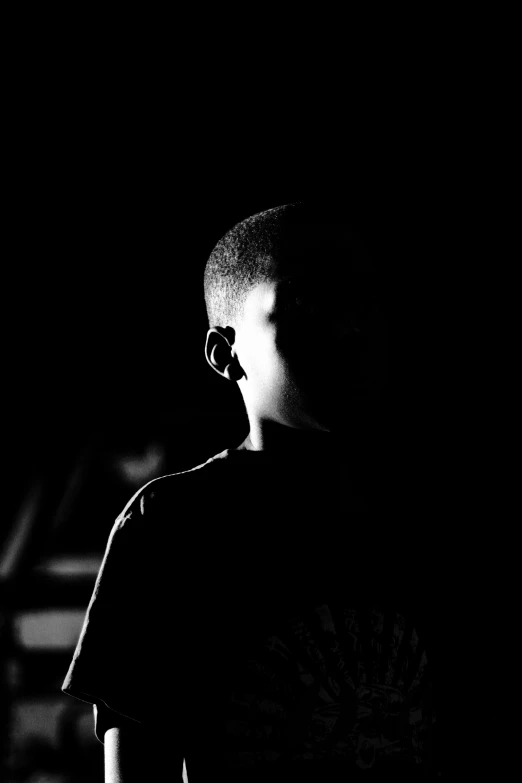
x: 233, y: 372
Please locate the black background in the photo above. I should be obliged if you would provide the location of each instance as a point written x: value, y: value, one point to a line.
x: 113, y: 209
x: 121, y: 171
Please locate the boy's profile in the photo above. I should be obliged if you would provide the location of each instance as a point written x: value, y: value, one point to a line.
x: 248, y: 619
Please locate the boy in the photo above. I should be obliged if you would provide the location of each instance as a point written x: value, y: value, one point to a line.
x: 250, y: 616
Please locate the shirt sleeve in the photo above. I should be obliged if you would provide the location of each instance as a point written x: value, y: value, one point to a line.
x: 105, y: 718
x: 117, y: 653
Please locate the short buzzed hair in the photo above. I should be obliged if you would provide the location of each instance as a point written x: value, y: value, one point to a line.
x: 244, y: 257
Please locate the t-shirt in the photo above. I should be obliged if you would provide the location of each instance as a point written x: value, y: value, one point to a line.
x: 260, y: 609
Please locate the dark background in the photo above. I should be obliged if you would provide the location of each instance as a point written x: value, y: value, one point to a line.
x: 129, y: 149
x: 106, y: 325
x: 104, y: 353
x: 119, y: 182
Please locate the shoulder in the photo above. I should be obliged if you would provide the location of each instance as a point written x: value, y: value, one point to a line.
x: 153, y: 524
x: 166, y: 493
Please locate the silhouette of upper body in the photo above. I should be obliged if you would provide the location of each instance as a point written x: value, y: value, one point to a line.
x: 259, y: 615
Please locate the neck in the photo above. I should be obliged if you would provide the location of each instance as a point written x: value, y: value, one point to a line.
x: 284, y: 443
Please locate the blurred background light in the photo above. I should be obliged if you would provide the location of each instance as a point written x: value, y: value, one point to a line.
x: 37, y: 717
x: 137, y: 470
x: 49, y: 628
x: 70, y: 567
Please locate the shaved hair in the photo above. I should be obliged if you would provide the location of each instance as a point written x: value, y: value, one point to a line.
x: 247, y: 255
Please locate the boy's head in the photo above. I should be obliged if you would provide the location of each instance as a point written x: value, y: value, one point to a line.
x: 288, y: 293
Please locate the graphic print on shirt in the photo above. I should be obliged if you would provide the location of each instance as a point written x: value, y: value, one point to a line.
x: 333, y: 683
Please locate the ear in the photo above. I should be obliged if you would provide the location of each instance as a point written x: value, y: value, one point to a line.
x: 218, y: 353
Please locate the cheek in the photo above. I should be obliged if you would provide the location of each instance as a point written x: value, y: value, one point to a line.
x: 301, y: 350
x: 324, y: 368
x: 264, y: 361
x: 296, y: 367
